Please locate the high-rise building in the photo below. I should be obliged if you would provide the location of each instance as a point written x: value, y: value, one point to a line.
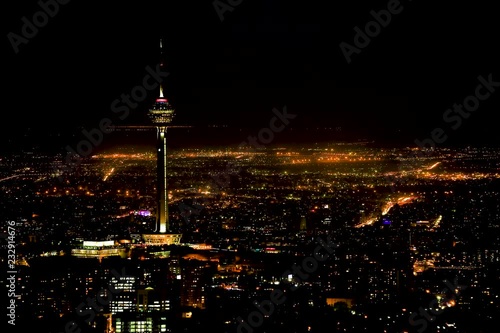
x: 125, y: 299
x: 195, y: 277
x: 140, y: 308
x: 303, y: 223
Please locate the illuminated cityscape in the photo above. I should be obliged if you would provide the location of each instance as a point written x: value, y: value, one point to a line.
x: 272, y: 166
x: 403, y: 223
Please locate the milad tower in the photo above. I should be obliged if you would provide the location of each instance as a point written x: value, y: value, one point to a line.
x: 161, y: 115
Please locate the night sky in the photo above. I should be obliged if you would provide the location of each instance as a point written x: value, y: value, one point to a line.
x: 265, y: 54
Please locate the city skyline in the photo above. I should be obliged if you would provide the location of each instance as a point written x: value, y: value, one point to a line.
x: 250, y: 167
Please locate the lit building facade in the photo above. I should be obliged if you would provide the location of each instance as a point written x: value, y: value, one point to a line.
x: 99, y: 250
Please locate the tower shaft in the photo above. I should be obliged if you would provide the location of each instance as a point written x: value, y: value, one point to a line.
x: 162, y: 223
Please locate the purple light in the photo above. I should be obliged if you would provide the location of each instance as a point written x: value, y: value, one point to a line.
x: 142, y: 212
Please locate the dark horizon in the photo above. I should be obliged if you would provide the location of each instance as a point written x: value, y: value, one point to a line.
x: 219, y: 138
x: 263, y: 55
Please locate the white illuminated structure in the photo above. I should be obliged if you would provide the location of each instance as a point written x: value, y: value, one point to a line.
x: 99, y: 249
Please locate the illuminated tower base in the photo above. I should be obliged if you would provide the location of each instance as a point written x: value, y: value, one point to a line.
x: 162, y: 239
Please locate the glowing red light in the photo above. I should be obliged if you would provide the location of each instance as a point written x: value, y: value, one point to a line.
x: 161, y: 100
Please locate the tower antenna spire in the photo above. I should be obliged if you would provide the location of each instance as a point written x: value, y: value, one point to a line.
x: 161, y: 65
